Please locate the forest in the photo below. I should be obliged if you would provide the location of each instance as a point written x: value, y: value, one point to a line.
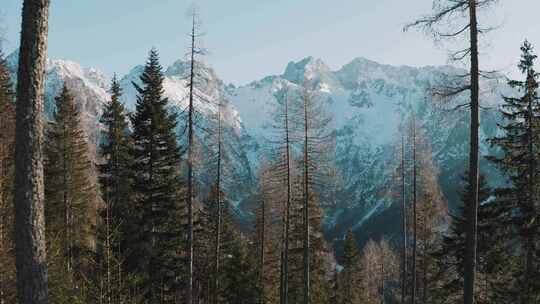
x: 143, y: 209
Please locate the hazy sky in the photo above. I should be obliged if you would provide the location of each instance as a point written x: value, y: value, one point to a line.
x: 249, y: 39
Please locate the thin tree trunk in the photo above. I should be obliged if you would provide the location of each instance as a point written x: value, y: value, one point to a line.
x: 529, y: 247
x: 424, y: 256
x: 261, y: 246
x: 382, y: 276
x: 218, y: 213
x: 190, y: 168
x: 306, y: 203
x: 108, y: 252
x: 472, y: 210
x: 287, y: 208
x: 29, y: 190
x: 413, y: 287
x: 404, y: 226
x: 3, y: 249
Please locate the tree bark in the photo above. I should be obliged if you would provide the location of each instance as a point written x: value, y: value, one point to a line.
x: 30, y: 243
x: 472, y: 210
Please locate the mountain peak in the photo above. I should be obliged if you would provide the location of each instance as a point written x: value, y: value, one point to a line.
x: 308, y: 67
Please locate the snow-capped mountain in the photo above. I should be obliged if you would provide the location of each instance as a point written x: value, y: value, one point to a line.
x: 369, y: 103
x: 88, y: 85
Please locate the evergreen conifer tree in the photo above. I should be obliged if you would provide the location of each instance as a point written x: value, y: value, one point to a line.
x: 70, y: 204
x: 155, y: 167
x: 520, y: 162
x: 349, y: 280
x: 450, y: 255
x: 114, y: 230
x: 239, y: 282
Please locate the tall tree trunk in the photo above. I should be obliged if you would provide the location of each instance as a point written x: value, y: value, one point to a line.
x: 472, y: 210
x: 424, y: 256
x: 529, y: 235
x: 383, y: 277
x: 218, y: 213
x: 413, y: 283
x: 306, y: 203
x: 3, y: 247
x: 29, y: 191
x: 108, y: 288
x: 190, y: 168
x: 287, y: 207
x: 404, y: 226
x: 261, y: 248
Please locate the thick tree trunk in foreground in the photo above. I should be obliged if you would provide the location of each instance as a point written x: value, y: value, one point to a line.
x: 29, y: 191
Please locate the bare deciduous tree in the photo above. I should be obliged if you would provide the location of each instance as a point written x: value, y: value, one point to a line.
x: 445, y: 12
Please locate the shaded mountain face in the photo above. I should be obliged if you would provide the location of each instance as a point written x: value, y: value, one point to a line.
x: 369, y: 103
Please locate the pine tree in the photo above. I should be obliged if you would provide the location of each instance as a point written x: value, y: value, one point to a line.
x: 239, y: 282
x: 114, y: 231
x: 154, y: 251
x: 30, y: 244
x: 519, y: 144
x: 490, y: 258
x: 349, y: 279
x: 7, y: 149
x: 70, y: 198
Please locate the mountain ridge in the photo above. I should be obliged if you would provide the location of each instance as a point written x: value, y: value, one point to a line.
x: 370, y: 102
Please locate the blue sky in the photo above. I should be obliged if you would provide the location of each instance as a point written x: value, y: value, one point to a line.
x: 250, y: 39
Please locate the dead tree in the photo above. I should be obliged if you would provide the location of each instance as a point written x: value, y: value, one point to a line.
x: 452, y: 11
x: 404, y: 225
x: 414, y: 206
x: 194, y: 51
x: 218, y: 219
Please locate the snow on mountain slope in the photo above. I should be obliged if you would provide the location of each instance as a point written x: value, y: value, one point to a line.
x: 208, y: 94
x: 370, y: 103
x: 88, y: 86
x: 175, y: 89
